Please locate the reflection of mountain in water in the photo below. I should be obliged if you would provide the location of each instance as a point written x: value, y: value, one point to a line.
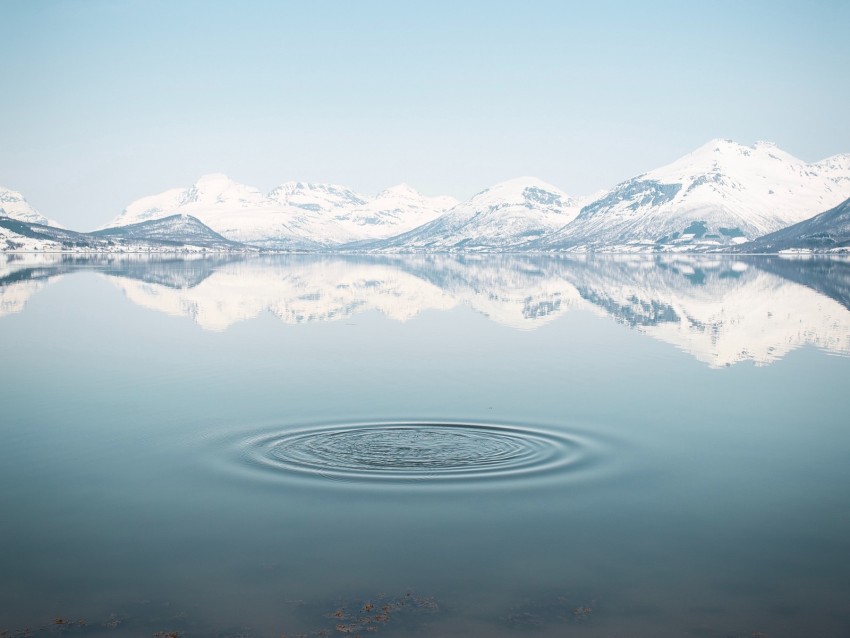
x: 294, y: 290
x: 22, y: 275
x: 520, y: 291
x: 20, y: 278
x: 721, y: 311
x: 830, y: 277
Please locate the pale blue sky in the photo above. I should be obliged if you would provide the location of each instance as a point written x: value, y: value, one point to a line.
x: 106, y: 101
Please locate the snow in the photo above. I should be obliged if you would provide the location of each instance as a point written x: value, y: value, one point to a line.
x: 723, y: 185
x: 719, y: 196
x: 293, y: 215
x: 13, y: 204
x: 505, y: 215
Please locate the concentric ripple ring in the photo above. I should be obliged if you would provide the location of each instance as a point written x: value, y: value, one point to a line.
x: 404, y: 452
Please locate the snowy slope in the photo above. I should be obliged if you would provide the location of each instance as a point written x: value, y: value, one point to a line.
x: 171, y: 234
x: 295, y: 215
x: 180, y: 230
x: 393, y: 211
x: 331, y: 215
x: 22, y: 236
x: 828, y: 231
x: 506, y: 215
x: 237, y: 212
x: 723, y: 193
x: 15, y: 205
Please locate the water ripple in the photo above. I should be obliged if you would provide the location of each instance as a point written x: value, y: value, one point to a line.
x: 403, y: 453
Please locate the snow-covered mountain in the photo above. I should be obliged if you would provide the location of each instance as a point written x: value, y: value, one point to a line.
x: 176, y: 233
x: 238, y: 212
x: 295, y: 215
x: 506, y: 215
x: 22, y: 236
x: 396, y: 210
x: 14, y: 205
x: 180, y: 230
x: 723, y: 193
x: 827, y: 232
x: 719, y: 196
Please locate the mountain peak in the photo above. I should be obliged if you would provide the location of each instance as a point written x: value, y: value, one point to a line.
x: 405, y: 195
x: 522, y: 190
x: 292, y: 186
x: 720, y: 194
x: 315, y: 197
x: 840, y: 162
x: 716, y: 145
x: 726, y: 157
x: 13, y: 204
x: 218, y: 188
x: 402, y: 189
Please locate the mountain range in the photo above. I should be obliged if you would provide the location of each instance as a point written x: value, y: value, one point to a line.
x: 175, y: 233
x: 295, y: 215
x: 721, y: 197
x: 505, y: 216
x: 721, y: 194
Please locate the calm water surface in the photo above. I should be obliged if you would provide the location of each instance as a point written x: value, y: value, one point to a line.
x: 428, y: 446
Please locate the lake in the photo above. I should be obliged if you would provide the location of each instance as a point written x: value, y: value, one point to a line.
x: 424, y: 445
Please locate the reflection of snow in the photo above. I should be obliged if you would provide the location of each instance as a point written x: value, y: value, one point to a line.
x: 328, y: 289
x: 14, y: 297
x: 16, y: 291
x: 719, y: 311
x: 300, y: 293
x: 761, y: 321
x: 12, y: 263
x: 518, y: 292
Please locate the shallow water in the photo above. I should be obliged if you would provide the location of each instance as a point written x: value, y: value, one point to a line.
x: 425, y: 446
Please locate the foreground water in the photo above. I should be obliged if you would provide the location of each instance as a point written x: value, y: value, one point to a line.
x: 425, y: 446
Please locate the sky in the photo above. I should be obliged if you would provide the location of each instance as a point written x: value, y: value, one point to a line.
x: 103, y: 102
